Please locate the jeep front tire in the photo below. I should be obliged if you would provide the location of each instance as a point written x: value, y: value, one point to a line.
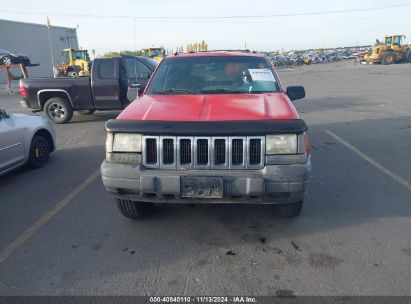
x: 288, y: 210
x: 134, y: 210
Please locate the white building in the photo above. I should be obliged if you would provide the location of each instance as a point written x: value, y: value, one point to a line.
x: 33, y: 40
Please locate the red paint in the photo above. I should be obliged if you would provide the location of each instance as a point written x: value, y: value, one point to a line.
x: 219, y: 107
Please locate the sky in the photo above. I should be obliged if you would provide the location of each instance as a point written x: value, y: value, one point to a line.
x: 101, y: 28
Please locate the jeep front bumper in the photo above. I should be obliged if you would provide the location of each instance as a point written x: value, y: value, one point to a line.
x: 280, y: 183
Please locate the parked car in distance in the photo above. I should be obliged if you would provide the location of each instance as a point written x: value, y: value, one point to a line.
x: 9, y: 58
x: 24, y: 140
x: 105, y: 89
x: 211, y: 127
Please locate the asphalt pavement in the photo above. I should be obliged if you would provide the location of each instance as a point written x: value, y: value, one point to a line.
x: 61, y: 232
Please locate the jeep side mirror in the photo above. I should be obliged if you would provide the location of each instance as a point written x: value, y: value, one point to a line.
x: 295, y: 92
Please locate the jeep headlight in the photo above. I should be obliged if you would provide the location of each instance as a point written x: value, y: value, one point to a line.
x: 281, y: 144
x: 127, y: 142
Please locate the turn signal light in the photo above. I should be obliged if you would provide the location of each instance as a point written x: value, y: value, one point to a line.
x: 23, y: 91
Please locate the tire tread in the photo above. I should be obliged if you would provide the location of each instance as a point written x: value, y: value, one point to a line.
x: 132, y: 209
x: 289, y: 210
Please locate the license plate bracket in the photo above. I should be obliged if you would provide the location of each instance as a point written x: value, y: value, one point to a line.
x: 201, y: 187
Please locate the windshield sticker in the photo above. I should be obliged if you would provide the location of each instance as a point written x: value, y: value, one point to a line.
x: 261, y: 75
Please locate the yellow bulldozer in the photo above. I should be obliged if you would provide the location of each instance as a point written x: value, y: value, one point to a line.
x: 76, y: 63
x: 156, y: 53
x: 391, y: 50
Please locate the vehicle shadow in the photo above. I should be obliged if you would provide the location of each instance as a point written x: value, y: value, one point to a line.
x: 97, y: 116
x: 78, y: 118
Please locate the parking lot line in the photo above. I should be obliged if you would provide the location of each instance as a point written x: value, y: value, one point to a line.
x: 46, y: 217
x: 368, y: 159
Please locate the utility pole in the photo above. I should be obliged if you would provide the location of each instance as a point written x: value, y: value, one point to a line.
x: 135, y: 32
x: 51, y: 48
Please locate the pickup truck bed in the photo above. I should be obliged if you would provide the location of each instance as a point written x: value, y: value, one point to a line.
x: 77, y: 90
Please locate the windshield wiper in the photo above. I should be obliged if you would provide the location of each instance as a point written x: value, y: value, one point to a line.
x: 221, y: 91
x: 173, y: 91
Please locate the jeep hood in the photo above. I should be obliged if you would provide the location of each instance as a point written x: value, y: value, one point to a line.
x: 221, y: 107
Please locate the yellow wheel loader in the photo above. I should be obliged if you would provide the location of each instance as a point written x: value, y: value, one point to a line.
x: 391, y: 51
x: 156, y: 53
x: 76, y: 63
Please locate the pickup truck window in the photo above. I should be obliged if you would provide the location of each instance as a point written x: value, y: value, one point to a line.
x: 106, y: 69
x: 213, y: 75
x: 136, y: 69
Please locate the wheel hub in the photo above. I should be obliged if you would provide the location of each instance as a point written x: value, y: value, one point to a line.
x: 56, y: 111
x: 7, y: 61
x: 39, y: 152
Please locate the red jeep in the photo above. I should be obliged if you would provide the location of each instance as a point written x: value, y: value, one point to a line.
x: 211, y: 127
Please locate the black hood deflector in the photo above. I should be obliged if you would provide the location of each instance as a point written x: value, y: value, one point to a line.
x: 208, y: 128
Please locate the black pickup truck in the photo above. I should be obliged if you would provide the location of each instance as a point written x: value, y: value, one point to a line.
x: 106, y: 89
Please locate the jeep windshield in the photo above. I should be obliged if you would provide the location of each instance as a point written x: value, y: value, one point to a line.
x: 213, y: 75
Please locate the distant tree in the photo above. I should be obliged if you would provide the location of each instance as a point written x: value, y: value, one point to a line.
x: 124, y: 52
x: 197, y: 47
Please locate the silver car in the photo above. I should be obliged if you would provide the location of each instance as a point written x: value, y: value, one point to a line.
x: 24, y: 140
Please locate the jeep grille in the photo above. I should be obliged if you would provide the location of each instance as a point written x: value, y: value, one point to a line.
x: 171, y: 152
